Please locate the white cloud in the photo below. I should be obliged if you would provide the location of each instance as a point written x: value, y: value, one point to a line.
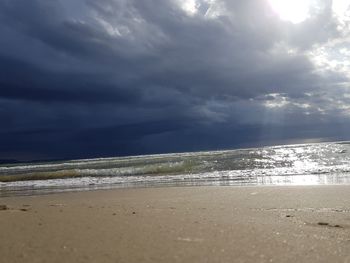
x: 189, y: 6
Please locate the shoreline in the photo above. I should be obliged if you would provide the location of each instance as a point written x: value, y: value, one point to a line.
x: 44, y: 187
x: 179, y: 224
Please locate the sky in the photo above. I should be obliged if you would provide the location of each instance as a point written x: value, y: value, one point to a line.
x: 85, y: 78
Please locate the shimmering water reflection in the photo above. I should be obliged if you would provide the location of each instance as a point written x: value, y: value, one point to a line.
x: 304, y: 180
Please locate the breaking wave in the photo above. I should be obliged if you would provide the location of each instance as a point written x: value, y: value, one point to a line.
x: 321, y: 163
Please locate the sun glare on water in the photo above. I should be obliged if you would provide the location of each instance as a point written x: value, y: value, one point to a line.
x: 295, y: 11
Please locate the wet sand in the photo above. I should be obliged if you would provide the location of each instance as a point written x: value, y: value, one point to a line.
x: 182, y: 224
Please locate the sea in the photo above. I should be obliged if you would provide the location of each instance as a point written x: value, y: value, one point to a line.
x: 326, y: 163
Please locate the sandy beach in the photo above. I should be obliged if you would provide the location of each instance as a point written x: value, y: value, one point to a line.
x: 179, y: 224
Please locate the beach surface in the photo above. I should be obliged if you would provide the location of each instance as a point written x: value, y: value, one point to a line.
x: 179, y: 224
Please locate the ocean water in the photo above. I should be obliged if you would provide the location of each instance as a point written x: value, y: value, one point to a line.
x: 302, y: 164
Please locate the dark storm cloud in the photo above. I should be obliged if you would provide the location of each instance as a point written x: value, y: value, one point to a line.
x: 97, y: 78
x: 23, y: 81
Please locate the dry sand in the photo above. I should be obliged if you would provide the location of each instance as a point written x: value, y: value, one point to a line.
x: 189, y: 224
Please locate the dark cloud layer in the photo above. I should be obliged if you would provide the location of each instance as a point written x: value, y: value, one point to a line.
x: 116, y: 77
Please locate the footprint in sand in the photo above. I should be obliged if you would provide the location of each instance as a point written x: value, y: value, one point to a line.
x: 329, y: 225
x: 3, y: 207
